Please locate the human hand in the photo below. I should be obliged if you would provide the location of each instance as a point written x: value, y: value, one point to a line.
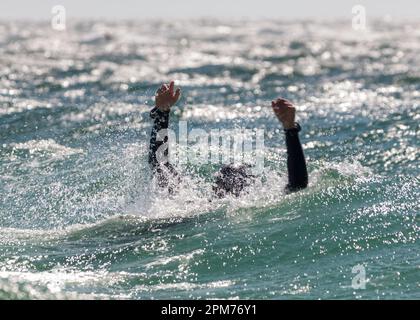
x: 166, y: 96
x: 285, y: 112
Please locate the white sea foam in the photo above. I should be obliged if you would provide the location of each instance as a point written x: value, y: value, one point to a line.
x: 48, y: 146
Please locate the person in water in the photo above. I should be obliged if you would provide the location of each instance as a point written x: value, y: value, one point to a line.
x: 230, y: 179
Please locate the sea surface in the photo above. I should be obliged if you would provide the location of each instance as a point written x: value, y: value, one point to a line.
x: 81, y: 218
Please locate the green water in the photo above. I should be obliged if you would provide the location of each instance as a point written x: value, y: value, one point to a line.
x: 80, y: 217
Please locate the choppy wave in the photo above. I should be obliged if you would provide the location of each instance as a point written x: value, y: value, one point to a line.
x: 80, y: 217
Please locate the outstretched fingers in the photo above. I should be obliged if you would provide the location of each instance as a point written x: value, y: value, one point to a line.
x: 167, y: 96
x: 177, y: 94
x: 161, y: 90
x: 171, y: 87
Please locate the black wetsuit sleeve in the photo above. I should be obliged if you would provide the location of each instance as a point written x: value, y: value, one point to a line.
x: 296, y: 163
x: 160, y: 122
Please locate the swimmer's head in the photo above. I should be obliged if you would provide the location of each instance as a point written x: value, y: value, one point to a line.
x: 231, y: 179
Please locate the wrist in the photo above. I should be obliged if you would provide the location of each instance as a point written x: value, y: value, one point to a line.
x: 289, y: 125
x: 157, y: 113
x: 161, y: 109
x: 294, y: 129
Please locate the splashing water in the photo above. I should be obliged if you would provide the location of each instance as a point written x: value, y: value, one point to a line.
x: 80, y: 217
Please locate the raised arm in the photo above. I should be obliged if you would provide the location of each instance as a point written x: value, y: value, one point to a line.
x: 165, y: 98
x: 296, y: 164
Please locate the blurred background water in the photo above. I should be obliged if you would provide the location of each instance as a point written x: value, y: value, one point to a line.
x: 79, y: 217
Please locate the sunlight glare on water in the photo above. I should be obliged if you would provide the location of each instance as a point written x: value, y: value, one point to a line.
x: 80, y: 217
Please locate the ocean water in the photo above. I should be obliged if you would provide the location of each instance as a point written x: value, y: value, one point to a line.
x: 79, y: 214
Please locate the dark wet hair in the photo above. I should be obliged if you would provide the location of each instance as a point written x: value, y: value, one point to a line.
x: 232, y: 179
